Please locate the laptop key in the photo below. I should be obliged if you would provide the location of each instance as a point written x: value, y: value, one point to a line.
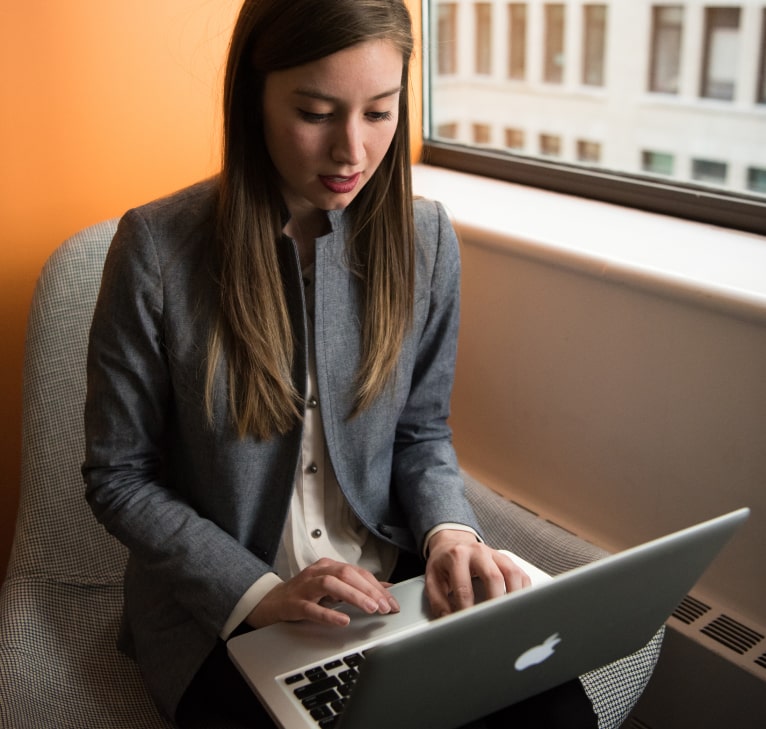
x: 322, y: 712
x: 314, y: 702
x: 312, y: 689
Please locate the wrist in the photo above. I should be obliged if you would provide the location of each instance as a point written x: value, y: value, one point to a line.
x: 448, y: 537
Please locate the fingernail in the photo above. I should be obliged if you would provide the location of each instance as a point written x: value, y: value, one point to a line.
x: 384, y: 607
x: 394, y: 605
x: 370, y: 606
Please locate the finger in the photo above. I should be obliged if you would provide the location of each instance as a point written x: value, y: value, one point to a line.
x: 515, y: 577
x: 355, y: 586
x: 485, y: 569
x: 437, y: 594
x: 459, y: 577
x: 316, y: 613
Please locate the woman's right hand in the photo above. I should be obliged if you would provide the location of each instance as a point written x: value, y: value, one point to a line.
x: 301, y: 597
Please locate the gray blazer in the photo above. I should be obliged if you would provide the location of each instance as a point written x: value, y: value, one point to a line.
x: 202, y: 510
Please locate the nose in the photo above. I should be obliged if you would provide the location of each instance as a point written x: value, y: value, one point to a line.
x: 348, y: 144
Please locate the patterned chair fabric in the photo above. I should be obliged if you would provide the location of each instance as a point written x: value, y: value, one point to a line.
x: 60, y: 603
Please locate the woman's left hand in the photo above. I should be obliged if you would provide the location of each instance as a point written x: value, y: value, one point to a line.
x: 455, y: 558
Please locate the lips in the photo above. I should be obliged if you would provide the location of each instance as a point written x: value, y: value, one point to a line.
x: 338, y: 184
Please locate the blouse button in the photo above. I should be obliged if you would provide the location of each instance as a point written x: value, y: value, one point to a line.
x: 313, y: 468
x: 316, y: 533
x: 312, y: 402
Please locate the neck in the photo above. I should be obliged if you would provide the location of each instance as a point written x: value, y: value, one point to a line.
x: 304, y: 230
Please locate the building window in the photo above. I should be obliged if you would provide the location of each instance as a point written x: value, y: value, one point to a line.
x: 657, y: 163
x: 756, y: 180
x: 589, y: 152
x: 719, y: 66
x: 550, y: 145
x: 594, y: 45
x: 553, y: 71
x: 667, y: 26
x: 517, y: 41
x: 482, y: 133
x: 761, y: 94
x: 704, y: 170
x: 447, y: 45
x: 543, y: 132
x: 447, y: 131
x: 483, y: 38
x: 514, y: 139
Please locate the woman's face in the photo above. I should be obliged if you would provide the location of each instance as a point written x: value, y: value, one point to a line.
x: 328, y: 124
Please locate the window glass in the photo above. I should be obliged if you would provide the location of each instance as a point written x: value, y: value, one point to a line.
x: 594, y: 45
x: 649, y: 91
x: 756, y: 179
x: 665, y: 59
x: 553, y: 42
x: 517, y: 41
x: 483, y: 38
x: 719, y: 73
x: 707, y: 170
x: 761, y: 92
x: 658, y: 163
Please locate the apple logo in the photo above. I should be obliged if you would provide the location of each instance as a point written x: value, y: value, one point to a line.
x: 538, y: 653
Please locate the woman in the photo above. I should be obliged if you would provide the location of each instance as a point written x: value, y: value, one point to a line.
x: 270, y: 365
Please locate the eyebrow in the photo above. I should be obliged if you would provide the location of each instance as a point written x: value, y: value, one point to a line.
x: 314, y: 94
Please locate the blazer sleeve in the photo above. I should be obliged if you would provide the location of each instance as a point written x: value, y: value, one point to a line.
x: 196, y: 564
x: 425, y: 468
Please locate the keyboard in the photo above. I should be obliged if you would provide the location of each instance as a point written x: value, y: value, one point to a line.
x: 324, y: 690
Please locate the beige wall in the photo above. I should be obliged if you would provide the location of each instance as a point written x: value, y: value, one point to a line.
x: 619, y: 411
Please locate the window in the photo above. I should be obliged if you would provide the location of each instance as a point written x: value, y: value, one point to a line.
x: 482, y: 134
x: 657, y: 163
x: 761, y: 92
x: 447, y: 35
x: 554, y: 43
x: 708, y: 171
x: 483, y: 38
x: 667, y: 25
x: 662, y: 133
x: 588, y: 151
x: 517, y: 41
x: 550, y: 145
x: 756, y: 179
x: 719, y: 75
x: 447, y: 131
x: 594, y: 45
x: 514, y: 139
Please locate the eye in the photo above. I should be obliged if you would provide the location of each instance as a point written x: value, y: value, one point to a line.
x: 379, y: 116
x: 313, y: 117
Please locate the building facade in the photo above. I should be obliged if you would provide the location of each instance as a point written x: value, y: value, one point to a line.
x: 673, y: 90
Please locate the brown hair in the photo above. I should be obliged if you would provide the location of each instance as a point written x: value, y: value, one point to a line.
x: 254, y: 328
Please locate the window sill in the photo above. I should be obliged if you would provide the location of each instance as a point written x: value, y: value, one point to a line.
x: 706, y: 265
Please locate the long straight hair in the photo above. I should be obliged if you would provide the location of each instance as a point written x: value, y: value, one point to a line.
x: 254, y: 330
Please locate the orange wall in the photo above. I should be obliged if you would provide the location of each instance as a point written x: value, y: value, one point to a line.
x: 105, y: 105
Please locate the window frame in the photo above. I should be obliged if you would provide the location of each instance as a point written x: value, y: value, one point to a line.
x: 688, y: 201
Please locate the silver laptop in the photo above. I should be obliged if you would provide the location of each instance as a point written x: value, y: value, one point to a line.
x: 412, y: 672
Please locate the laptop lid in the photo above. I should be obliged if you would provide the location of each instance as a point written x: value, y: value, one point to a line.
x: 444, y: 673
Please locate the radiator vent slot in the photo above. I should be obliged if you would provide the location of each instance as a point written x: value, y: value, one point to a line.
x: 690, y: 610
x: 732, y: 634
x: 761, y: 661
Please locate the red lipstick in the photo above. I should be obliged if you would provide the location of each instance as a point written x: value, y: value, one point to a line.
x: 340, y: 185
